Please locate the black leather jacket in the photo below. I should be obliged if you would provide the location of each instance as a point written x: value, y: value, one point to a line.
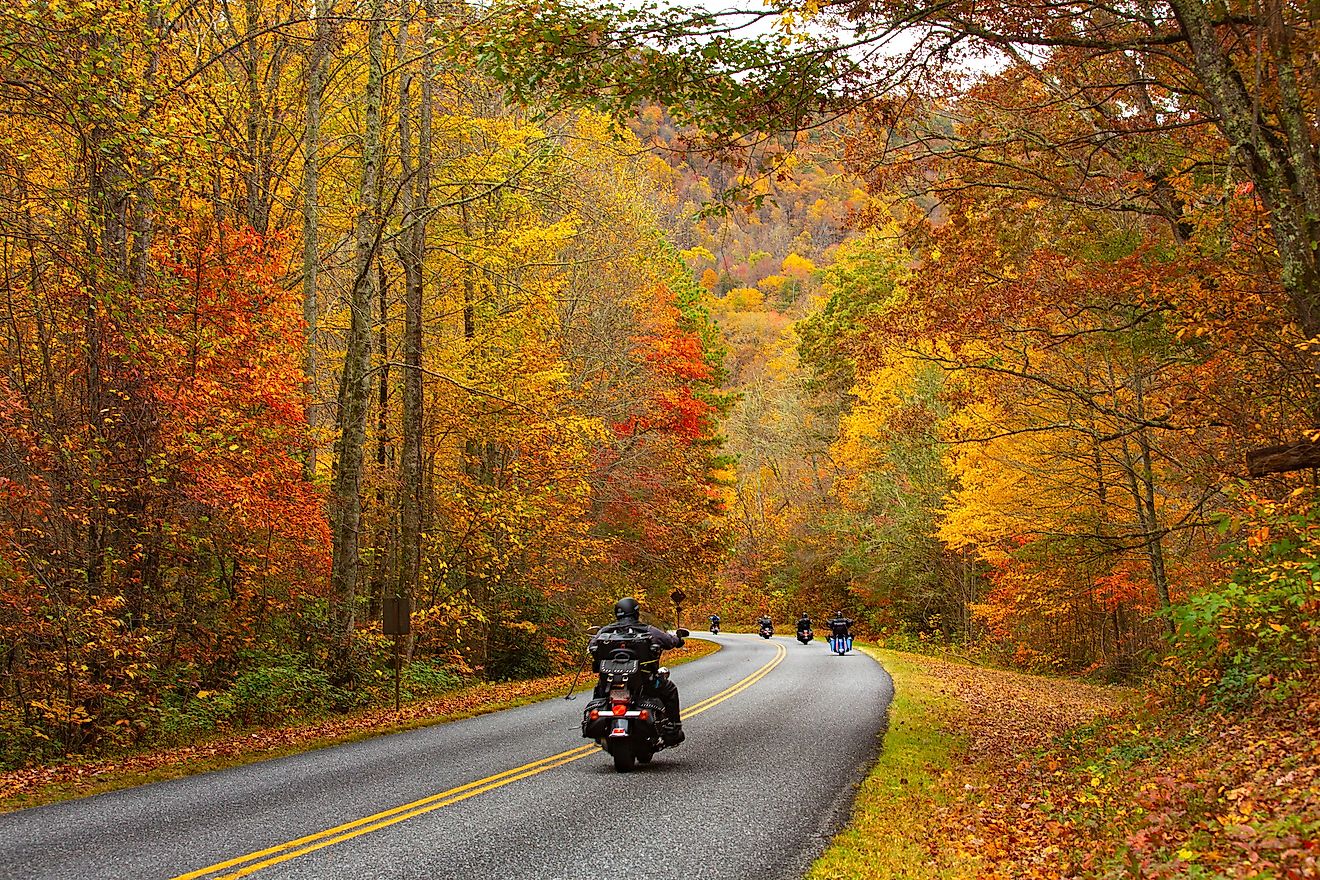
x: 663, y: 640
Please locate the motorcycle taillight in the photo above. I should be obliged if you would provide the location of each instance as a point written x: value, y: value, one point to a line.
x: 620, y: 708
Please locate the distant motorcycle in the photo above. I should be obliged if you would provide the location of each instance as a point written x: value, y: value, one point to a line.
x: 840, y: 644
x: 767, y: 630
x: 715, y: 628
x: 805, y: 635
x: 627, y: 723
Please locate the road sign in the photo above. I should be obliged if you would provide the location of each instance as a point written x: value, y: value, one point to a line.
x: 396, y: 616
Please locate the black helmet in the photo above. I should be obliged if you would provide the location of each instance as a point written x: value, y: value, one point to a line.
x: 627, y: 608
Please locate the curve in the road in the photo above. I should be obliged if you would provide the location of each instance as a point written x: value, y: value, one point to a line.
x: 760, y: 786
x: 256, y: 861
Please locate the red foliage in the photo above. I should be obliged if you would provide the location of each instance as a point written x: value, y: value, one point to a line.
x: 155, y: 514
x: 227, y: 368
x: 676, y: 367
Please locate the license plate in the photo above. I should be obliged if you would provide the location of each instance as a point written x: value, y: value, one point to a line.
x: 624, y: 667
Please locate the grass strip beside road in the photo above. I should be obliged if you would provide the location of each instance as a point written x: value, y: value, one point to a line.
x: 887, y: 836
x: 35, y: 786
x: 962, y: 785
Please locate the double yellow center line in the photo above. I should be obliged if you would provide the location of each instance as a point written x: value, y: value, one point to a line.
x: 243, y: 866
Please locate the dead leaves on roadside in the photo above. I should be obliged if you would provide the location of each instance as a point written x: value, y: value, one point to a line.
x: 1060, y: 779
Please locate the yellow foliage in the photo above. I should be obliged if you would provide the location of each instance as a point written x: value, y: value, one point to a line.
x: 744, y: 299
x: 799, y: 267
x: 697, y: 254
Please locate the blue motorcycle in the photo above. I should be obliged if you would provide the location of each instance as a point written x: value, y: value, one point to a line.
x: 840, y: 644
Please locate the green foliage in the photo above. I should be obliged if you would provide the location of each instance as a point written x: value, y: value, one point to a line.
x: 25, y: 738
x: 426, y: 678
x: 863, y: 283
x: 1258, y: 633
x: 269, y: 694
x: 612, y: 56
x: 263, y: 695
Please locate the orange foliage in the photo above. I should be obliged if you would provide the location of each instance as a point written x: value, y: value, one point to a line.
x: 189, y: 484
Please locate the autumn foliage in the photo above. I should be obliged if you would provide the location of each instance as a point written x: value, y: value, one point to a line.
x: 1050, y: 778
x: 151, y: 546
x: 269, y: 362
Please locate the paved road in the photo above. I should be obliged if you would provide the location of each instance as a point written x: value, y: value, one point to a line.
x: 778, y: 736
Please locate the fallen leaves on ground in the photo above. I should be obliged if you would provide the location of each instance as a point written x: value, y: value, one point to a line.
x: 1060, y: 779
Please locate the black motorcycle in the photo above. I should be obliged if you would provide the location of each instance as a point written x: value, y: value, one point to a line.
x: 805, y: 635
x: 714, y: 627
x: 767, y: 630
x: 628, y: 721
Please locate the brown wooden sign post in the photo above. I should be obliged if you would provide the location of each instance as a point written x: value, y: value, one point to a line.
x: 396, y: 620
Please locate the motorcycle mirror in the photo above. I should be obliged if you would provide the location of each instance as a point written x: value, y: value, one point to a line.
x: 682, y: 633
x: 592, y: 630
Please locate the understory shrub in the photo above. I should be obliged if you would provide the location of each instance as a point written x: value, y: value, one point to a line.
x: 426, y: 678
x: 1260, y: 632
x: 262, y: 695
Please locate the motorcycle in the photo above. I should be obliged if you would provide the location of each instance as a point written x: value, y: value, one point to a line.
x: 840, y: 644
x: 767, y: 630
x: 715, y: 628
x: 628, y: 721
x: 805, y: 635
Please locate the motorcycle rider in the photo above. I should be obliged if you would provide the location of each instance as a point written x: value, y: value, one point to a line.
x: 764, y: 621
x: 804, y: 622
x: 627, y: 616
x: 840, y: 627
x: 714, y: 622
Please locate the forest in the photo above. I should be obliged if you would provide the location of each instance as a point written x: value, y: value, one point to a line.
x: 505, y: 311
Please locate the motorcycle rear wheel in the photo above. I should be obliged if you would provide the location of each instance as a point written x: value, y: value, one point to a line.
x: 625, y: 756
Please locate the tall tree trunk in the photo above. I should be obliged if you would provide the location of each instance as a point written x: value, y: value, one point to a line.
x: 473, y: 459
x: 412, y: 255
x: 1284, y: 169
x: 1141, y: 484
x: 1154, y: 531
x: 317, y: 61
x: 355, y: 383
x: 106, y: 242
x: 381, y: 545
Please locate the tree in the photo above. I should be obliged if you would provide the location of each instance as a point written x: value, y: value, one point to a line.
x: 1134, y: 75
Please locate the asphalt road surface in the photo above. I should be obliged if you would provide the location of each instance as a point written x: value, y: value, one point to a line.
x: 778, y: 735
